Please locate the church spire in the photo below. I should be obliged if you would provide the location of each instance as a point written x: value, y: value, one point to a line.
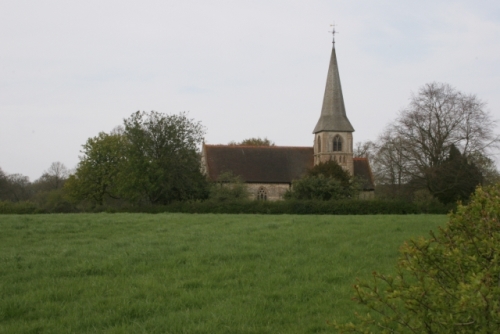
x: 333, y: 116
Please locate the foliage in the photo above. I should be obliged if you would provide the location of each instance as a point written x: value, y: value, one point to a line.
x: 455, y: 179
x: 16, y: 188
x: 254, y: 141
x: 486, y: 166
x: 290, y: 207
x: 97, y: 176
x: 449, y: 283
x: 163, y: 161
x: 325, y: 181
x: 153, y: 159
x: 321, y: 188
x: 228, y: 187
x: 331, y: 169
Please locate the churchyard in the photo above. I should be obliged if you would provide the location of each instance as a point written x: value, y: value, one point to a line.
x: 182, y: 273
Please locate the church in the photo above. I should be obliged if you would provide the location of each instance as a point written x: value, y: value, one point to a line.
x: 269, y: 171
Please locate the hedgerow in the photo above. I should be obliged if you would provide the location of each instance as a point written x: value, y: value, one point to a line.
x: 297, y: 207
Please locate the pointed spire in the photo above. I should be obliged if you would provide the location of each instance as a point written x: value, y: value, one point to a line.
x: 333, y: 116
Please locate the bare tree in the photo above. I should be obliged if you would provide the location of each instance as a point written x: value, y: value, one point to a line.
x: 53, y: 178
x: 419, y: 140
x: 365, y: 149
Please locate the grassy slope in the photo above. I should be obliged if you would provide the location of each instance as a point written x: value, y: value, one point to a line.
x: 179, y: 273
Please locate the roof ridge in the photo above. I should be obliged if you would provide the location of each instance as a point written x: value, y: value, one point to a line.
x: 255, y: 146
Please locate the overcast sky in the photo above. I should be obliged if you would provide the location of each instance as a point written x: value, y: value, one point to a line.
x: 70, y: 69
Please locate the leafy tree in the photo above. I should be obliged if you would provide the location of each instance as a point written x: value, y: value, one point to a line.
x: 163, y: 159
x: 448, y: 283
x: 3, y: 185
x: 257, y: 141
x: 325, y: 181
x: 455, y: 179
x: 486, y: 166
x: 228, y: 187
x: 18, y: 188
x: 331, y: 169
x: 97, y: 175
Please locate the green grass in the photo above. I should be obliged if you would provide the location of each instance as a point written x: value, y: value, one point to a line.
x: 181, y: 273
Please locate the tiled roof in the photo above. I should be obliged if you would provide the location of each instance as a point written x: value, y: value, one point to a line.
x: 363, y: 171
x: 258, y: 164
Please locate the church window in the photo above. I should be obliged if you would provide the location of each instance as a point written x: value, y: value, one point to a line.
x: 262, y: 194
x: 319, y: 144
x: 337, y: 144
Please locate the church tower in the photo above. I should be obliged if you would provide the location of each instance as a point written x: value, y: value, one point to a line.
x: 333, y: 132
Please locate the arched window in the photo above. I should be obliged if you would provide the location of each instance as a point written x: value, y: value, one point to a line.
x: 337, y: 144
x: 319, y: 144
x: 262, y: 194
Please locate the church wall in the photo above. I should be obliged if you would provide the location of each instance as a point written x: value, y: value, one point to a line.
x: 274, y: 191
x: 367, y: 194
x: 323, y: 149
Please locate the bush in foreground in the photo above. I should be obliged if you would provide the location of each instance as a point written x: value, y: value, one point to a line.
x: 449, y: 283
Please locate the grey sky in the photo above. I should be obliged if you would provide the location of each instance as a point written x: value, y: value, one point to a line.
x: 69, y: 69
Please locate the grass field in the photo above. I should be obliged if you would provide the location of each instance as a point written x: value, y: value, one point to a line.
x: 180, y: 273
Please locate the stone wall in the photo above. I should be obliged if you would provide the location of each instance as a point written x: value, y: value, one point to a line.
x: 368, y: 194
x: 323, y: 149
x: 273, y: 191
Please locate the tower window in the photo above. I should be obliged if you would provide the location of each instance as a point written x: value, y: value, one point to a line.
x: 262, y: 194
x: 337, y: 144
x: 319, y: 144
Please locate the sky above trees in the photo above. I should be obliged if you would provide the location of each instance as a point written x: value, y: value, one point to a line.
x: 69, y: 70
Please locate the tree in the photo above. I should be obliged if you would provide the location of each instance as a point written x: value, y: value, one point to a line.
x: 228, y: 187
x: 330, y: 169
x: 163, y: 158
x: 3, y: 185
x: 257, y: 141
x: 486, y: 166
x: 325, y: 181
x: 419, y: 140
x: 448, y: 283
x: 455, y: 179
x: 389, y: 167
x: 364, y: 149
x: 53, y: 178
x: 97, y: 175
x: 18, y: 188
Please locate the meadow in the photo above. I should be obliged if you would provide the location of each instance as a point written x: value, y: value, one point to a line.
x: 182, y: 273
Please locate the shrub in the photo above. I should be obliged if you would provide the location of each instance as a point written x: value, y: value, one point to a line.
x: 449, y: 283
x: 228, y: 187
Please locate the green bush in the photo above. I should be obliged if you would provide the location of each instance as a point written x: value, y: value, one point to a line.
x: 228, y: 187
x: 8, y: 207
x: 449, y: 283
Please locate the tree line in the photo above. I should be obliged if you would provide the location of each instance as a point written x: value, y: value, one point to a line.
x: 438, y: 149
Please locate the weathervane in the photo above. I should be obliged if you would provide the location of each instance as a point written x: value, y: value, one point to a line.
x: 333, y: 32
